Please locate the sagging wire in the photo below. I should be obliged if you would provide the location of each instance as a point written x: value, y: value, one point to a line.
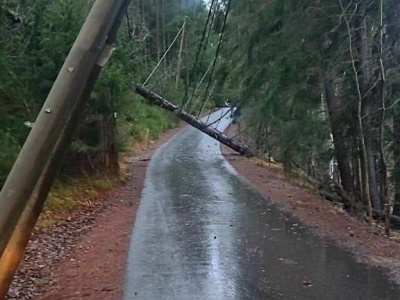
x: 165, y: 54
x: 210, y: 12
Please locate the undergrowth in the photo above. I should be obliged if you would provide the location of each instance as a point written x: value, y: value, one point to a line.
x: 71, y: 194
x: 140, y: 123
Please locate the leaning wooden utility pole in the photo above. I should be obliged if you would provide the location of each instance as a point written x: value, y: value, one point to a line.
x: 219, y: 136
x: 15, y: 248
x: 55, y: 115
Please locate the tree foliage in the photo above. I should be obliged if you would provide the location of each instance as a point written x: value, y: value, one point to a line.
x: 316, y: 80
x: 35, y: 37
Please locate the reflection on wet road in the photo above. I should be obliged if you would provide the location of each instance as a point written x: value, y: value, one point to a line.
x: 204, y: 233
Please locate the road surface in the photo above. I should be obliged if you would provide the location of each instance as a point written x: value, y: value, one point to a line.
x: 203, y: 232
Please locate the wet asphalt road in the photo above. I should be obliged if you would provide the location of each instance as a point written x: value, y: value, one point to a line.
x: 202, y: 232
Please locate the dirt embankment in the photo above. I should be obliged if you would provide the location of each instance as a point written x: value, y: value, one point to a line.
x: 84, y: 256
x: 367, y: 243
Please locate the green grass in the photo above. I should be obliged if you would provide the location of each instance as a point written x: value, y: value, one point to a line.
x: 141, y: 121
x: 71, y: 194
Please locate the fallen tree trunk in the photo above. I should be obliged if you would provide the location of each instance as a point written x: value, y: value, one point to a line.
x: 376, y: 214
x: 394, y: 220
x: 193, y: 121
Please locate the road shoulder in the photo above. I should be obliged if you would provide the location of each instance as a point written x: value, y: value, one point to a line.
x: 367, y: 243
x: 84, y: 256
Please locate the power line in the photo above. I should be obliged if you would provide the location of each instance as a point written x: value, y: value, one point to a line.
x: 165, y: 54
x: 217, y: 5
x: 221, y: 35
x: 198, y: 85
x: 210, y: 11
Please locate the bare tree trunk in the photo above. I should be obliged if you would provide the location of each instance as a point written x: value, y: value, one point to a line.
x: 357, y: 178
x: 108, y: 149
x: 287, y: 161
x: 396, y: 154
x: 164, y: 34
x: 384, y: 179
x: 341, y: 150
x: 393, y: 34
x: 158, y: 28
x: 372, y: 169
x: 364, y: 156
x: 187, y: 79
x: 142, y: 20
x: 178, y: 71
x: 368, y: 103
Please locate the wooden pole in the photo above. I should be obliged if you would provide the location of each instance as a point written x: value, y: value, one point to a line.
x: 15, y: 248
x: 55, y: 114
x: 193, y: 121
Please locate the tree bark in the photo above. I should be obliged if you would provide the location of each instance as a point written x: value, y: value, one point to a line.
x: 219, y: 136
x: 108, y: 148
x: 158, y: 29
x: 369, y: 106
x: 341, y: 150
x: 384, y: 178
x: 178, y: 72
x: 357, y: 178
x: 164, y: 34
x: 396, y: 154
x: 359, y: 85
x: 393, y: 35
x: 287, y: 161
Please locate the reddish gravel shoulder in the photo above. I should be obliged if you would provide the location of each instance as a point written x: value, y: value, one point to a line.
x: 96, y: 267
x: 85, y: 255
x: 367, y: 243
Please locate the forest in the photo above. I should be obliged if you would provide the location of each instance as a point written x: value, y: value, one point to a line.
x: 314, y: 83
x: 36, y: 36
x: 317, y: 87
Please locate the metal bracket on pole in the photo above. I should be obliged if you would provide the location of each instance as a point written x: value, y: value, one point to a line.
x: 105, y: 55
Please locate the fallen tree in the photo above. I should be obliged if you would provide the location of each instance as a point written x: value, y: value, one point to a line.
x: 376, y: 214
x: 193, y: 121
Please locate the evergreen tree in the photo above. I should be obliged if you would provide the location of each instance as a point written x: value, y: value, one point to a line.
x: 36, y: 37
x: 312, y: 76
